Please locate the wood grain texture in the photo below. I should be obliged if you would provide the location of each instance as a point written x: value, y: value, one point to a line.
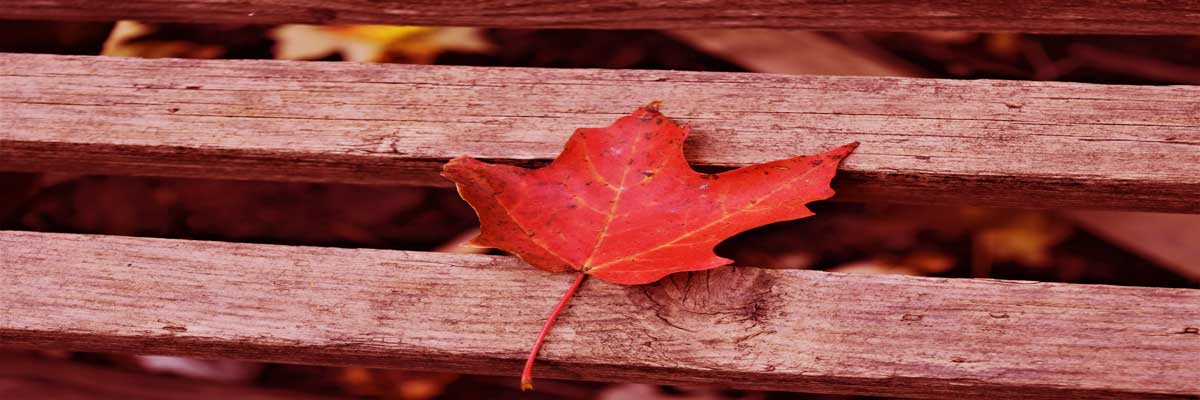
x: 1047, y: 16
x: 998, y: 143
x: 27, y: 377
x: 1171, y: 240
x: 745, y: 327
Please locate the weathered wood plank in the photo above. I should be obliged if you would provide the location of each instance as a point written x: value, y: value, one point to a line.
x: 999, y: 143
x: 1171, y: 240
x: 1065, y: 16
x: 746, y: 327
x: 26, y: 377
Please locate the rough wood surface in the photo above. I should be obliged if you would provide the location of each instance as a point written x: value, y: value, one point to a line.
x: 1171, y: 240
x: 1061, y: 16
x: 28, y: 377
x: 1001, y: 143
x: 746, y: 327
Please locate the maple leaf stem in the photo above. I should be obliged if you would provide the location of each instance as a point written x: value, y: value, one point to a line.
x: 527, y: 374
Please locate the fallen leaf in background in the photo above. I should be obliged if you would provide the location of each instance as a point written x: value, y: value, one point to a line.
x: 394, y: 385
x: 375, y: 43
x: 461, y: 244
x: 874, y: 266
x: 796, y: 259
x: 1006, y: 45
x: 916, y: 264
x: 929, y: 263
x: 1024, y: 237
x: 124, y: 42
x: 227, y: 371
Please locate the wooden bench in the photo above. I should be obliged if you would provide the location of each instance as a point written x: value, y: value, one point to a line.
x: 993, y: 143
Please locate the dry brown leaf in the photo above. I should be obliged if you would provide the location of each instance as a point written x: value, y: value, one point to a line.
x: 916, y: 264
x: 122, y: 42
x: 227, y: 371
x: 394, y: 385
x: 1007, y: 45
x: 461, y: 244
x: 1024, y: 237
x: 375, y: 43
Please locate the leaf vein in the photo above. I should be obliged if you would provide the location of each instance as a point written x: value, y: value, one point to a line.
x: 726, y: 216
x: 612, y: 212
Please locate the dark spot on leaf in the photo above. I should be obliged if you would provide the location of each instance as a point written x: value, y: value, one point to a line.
x: 923, y: 158
x: 766, y: 172
x: 176, y: 329
x: 647, y: 174
x: 1190, y: 331
x: 658, y: 121
x: 997, y: 315
x: 630, y: 162
x: 816, y: 162
x: 191, y: 87
x: 912, y: 317
x: 648, y: 135
x: 173, y: 110
x: 572, y: 206
x: 958, y: 360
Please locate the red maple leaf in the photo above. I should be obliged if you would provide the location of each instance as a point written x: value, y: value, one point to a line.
x: 622, y: 204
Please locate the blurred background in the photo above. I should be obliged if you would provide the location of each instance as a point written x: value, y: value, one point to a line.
x: 1139, y: 249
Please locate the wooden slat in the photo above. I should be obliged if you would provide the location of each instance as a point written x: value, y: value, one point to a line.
x: 999, y: 143
x: 27, y: 377
x: 745, y: 327
x: 1062, y: 16
x: 1170, y: 240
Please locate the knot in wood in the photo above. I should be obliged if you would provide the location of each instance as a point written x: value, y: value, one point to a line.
x: 736, y: 299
